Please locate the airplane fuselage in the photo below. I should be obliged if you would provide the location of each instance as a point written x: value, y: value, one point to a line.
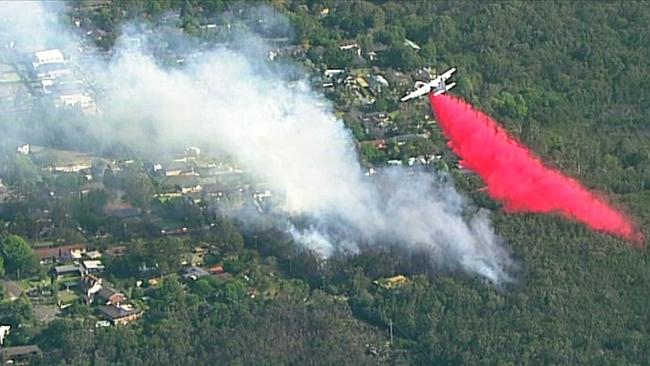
x: 437, y: 85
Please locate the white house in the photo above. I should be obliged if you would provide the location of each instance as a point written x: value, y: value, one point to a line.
x: 93, y: 266
x: 47, y: 57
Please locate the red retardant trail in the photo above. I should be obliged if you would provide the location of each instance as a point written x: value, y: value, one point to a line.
x: 518, y: 178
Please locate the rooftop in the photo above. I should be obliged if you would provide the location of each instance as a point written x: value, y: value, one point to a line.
x: 51, y: 252
x: 93, y: 264
x: 107, y: 292
x: 194, y: 273
x: 8, y: 352
x: 116, y: 251
x: 115, y: 312
x: 53, y: 55
x: 66, y: 269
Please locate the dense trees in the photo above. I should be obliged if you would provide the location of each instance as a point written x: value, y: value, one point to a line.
x: 231, y: 327
x: 225, y: 235
x: 134, y: 181
x: 569, y: 79
x: 162, y: 254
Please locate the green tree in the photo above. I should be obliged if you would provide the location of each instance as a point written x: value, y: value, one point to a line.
x: 225, y: 234
x: 164, y: 253
x: 391, y: 36
x: 18, y: 256
x: 401, y: 57
x: 372, y: 154
x: 214, y: 7
x: 16, y: 312
x: 138, y: 187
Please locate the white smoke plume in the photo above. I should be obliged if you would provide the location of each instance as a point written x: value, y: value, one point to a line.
x: 280, y: 131
x: 283, y: 136
x: 32, y: 25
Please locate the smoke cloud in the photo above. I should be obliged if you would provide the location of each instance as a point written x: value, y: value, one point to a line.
x: 278, y: 131
x: 33, y: 25
x: 235, y: 102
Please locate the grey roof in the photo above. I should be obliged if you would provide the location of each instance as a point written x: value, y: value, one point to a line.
x: 68, y: 268
x: 194, y: 272
x: 113, y: 312
x: 19, y: 350
x: 106, y: 292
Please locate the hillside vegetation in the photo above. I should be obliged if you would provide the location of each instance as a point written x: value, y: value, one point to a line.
x: 570, y: 79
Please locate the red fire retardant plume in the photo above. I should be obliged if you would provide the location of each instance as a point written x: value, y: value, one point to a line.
x: 518, y: 178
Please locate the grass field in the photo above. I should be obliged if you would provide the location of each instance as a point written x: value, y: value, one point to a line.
x: 66, y: 297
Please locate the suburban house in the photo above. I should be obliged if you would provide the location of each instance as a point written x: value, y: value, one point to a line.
x: 376, y: 124
x: 58, y: 254
x: 84, y: 102
x: 194, y: 273
x: 19, y: 355
x: 95, y: 254
x: 178, y: 167
x: 111, y: 296
x: 90, y: 286
x: 93, y: 266
x: 68, y: 269
x: 377, y: 83
x: 120, y: 315
x: 47, y: 57
x: 72, y: 166
x: 392, y: 282
x: 48, y: 72
x: 216, y: 270
x: 116, y: 251
x: 94, y: 287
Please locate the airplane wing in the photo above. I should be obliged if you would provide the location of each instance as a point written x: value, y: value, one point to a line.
x: 418, y: 92
x: 447, y: 74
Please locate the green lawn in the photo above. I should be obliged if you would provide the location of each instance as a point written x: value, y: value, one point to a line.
x: 66, y: 297
x: 24, y: 284
x: 69, y: 278
x: 33, y: 282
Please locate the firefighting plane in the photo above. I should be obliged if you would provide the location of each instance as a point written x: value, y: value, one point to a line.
x: 437, y: 85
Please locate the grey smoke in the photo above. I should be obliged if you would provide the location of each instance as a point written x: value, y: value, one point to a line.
x: 280, y: 131
x: 32, y: 25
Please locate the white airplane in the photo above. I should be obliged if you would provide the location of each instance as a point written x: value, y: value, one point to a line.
x: 437, y: 85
